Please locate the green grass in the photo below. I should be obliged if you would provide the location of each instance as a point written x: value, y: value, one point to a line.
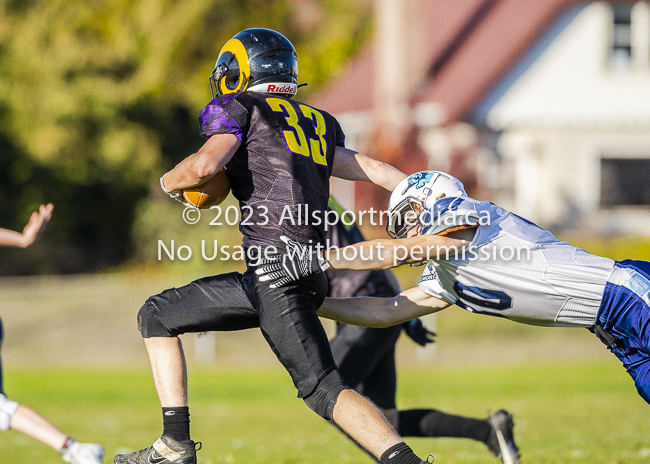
x: 565, y: 413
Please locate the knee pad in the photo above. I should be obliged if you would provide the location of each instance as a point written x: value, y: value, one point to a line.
x: 323, y: 399
x: 7, y: 411
x: 148, y: 323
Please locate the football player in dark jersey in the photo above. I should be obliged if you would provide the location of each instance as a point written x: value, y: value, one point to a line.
x: 279, y: 155
x: 365, y: 356
x: 19, y: 417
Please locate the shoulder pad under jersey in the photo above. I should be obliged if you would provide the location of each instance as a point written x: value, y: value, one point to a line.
x: 449, y: 214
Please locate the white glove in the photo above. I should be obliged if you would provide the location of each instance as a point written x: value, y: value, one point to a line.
x: 299, y: 261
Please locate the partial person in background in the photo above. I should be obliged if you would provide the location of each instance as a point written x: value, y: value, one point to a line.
x: 365, y: 357
x: 21, y: 418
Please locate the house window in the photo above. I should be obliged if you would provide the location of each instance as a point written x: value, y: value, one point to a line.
x: 620, y: 56
x: 624, y: 182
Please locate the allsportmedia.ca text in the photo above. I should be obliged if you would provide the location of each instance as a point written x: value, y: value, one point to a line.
x: 396, y: 254
x: 298, y: 215
x: 302, y: 215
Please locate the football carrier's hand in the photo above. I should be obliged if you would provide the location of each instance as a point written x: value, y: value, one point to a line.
x: 418, y: 332
x: 299, y: 261
x: 175, y: 194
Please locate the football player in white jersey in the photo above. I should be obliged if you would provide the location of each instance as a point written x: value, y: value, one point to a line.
x: 498, y: 264
x: 19, y: 417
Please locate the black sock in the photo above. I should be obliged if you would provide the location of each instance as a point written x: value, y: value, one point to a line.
x: 176, y: 423
x: 400, y: 453
x: 432, y: 423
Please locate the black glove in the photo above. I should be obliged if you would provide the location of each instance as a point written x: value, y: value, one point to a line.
x: 418, y: 332
x: 299, y: 261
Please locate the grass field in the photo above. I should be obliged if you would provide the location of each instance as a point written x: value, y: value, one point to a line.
x: 565, y: 412
x: 573, y: 402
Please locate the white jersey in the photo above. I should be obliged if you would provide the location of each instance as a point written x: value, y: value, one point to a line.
x: 517, y: 270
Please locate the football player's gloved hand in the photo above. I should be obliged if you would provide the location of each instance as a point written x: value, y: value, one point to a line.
x: 299, y: 261
x: 418, y: 332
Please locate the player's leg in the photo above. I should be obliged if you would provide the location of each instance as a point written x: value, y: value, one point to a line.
x: 169, y: 370
x: 289, y: 323
x: 367, y: 357
x: 29, y: 422
x: 496, y: 431
x: 357, y: 352
x: 623, y: 321
x: 208, y: 304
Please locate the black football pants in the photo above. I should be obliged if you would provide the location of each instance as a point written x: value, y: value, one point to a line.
x: 365, y: 357
x: 234, y: 301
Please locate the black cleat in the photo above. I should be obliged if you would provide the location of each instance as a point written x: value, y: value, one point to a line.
x: 165, y: 450
x: 501, y: 440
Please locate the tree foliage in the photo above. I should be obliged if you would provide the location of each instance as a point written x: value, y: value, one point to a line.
x: 99, y: 97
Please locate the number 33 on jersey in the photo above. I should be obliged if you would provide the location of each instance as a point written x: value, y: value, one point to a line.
x: 297, y: 142
x: 285, y: 159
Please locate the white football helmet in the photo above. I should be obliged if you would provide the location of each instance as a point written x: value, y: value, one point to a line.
x: 415, y: 195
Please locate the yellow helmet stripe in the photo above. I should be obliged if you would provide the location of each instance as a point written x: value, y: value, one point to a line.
x: 236, y: 47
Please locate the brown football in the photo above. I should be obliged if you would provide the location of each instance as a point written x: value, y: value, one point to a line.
x: 211, y: 193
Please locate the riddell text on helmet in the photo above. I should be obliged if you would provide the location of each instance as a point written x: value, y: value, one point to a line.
x: 290, y: 89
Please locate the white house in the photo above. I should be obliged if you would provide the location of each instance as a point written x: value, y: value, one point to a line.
x: 542, y: 107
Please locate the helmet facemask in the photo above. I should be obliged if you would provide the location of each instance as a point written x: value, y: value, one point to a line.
x: 227, y: 70
x: 404, y: 217
x: 216, y: 75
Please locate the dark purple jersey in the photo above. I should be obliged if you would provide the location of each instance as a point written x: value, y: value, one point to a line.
x: 280, y: 174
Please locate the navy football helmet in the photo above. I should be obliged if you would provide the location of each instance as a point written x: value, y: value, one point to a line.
x: 259, y: 60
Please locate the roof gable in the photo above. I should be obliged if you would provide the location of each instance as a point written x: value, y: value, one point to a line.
x: 471, y: 45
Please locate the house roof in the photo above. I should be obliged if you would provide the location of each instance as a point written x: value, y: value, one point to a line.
x: 470, y: 45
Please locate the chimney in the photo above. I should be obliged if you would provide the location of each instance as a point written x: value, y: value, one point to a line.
x: 399, y: 64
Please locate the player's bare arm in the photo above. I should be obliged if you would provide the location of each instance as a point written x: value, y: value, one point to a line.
x: 351, y: 165
x: 381, y: 312
x: 388, y: 253
x: 34, y: 227
x: 301, y: 260
x: 202, y: 165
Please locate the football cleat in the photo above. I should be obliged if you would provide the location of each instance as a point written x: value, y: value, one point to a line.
x: 83, y: 453
x: 165, y: 450
x: 501, y: 440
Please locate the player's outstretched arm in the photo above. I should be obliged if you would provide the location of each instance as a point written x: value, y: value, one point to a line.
x: 381, y: 312
x: 350, y: 165
x: 302, y: 260
x: 202, y: 165
x: 34, y: 227
x: 389, y: 253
